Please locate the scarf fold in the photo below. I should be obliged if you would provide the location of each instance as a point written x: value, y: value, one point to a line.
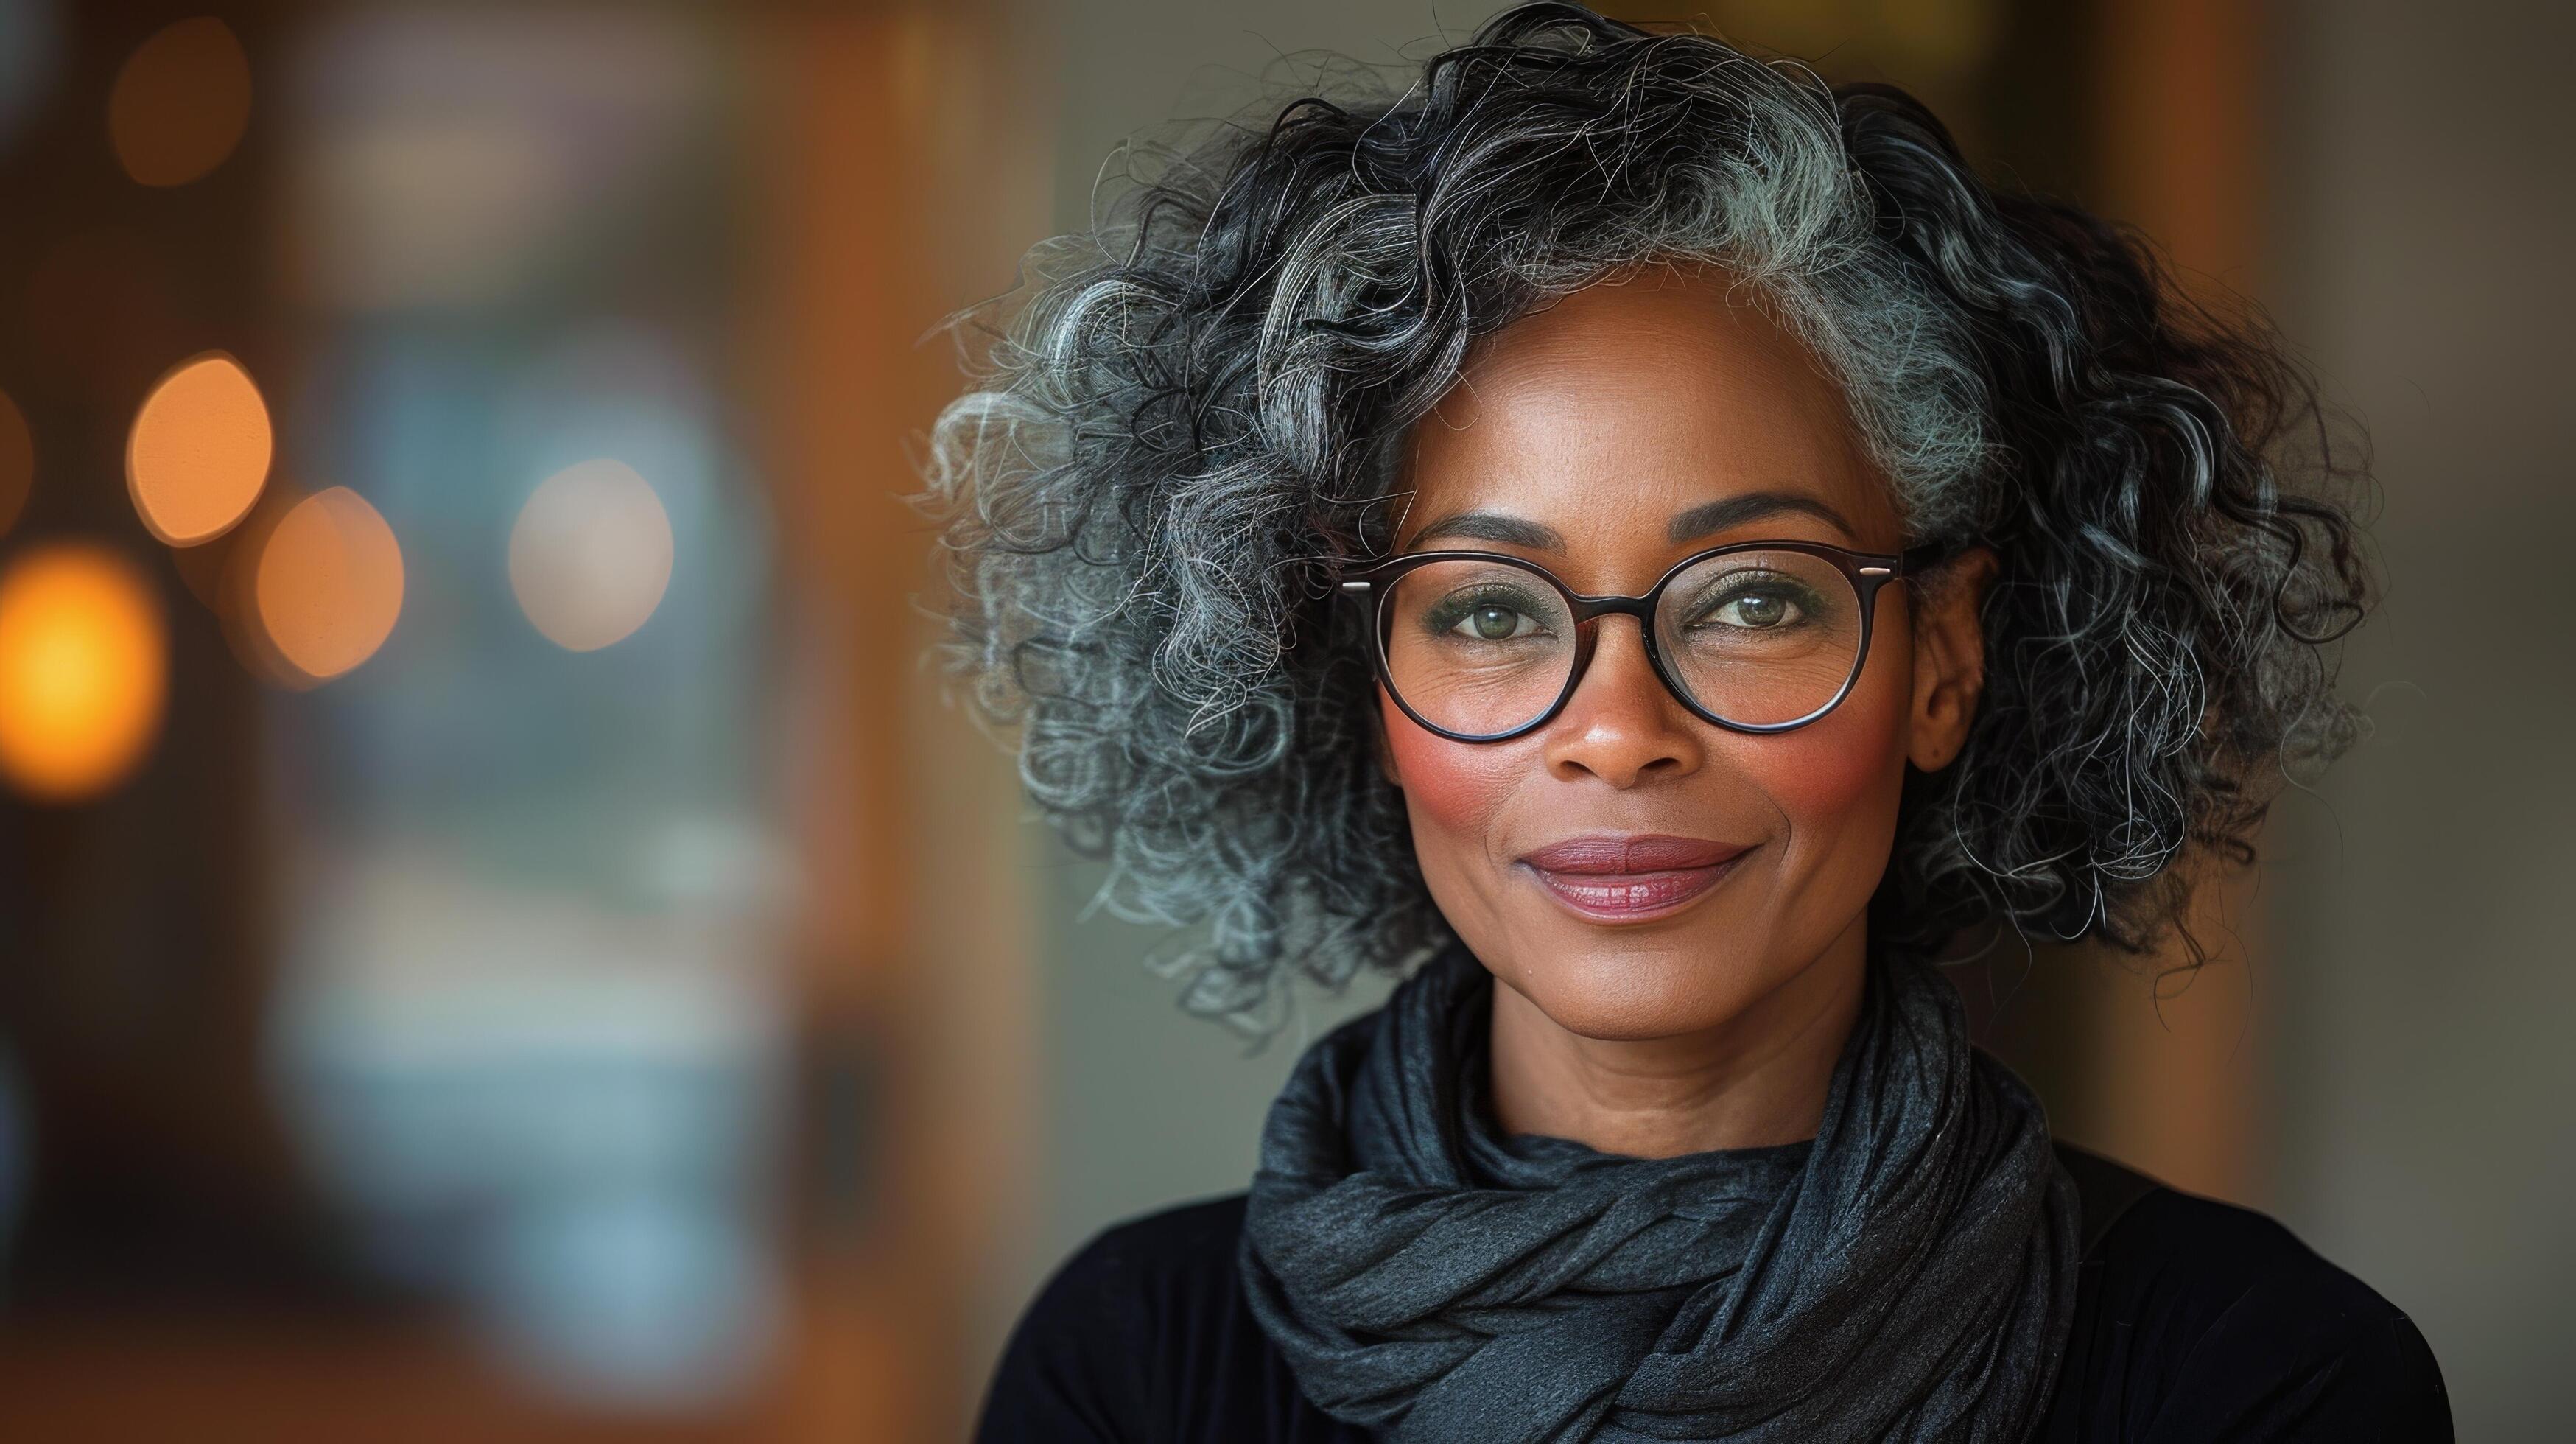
x: 1907, y: 1274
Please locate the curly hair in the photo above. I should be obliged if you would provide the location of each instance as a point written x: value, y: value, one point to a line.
x: 1187, y: 422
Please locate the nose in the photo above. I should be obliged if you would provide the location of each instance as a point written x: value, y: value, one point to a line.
x: 1622, y: 724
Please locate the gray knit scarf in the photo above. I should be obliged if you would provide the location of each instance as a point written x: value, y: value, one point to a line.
x: 1909, y: 1274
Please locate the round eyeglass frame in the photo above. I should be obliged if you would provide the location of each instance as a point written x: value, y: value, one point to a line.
x: 1866, y: 571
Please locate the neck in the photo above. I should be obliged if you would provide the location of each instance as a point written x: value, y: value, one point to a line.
x: 1756, y: 1079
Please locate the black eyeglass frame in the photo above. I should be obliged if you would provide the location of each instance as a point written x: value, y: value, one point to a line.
x: 1866, y: 571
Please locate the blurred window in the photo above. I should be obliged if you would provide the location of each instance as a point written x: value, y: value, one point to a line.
x: 531, y: 1024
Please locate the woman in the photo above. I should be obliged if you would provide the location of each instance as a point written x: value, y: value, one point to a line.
x: 1663, y: 553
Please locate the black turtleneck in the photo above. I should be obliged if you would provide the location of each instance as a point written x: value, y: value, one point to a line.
x: 2195, y: 1322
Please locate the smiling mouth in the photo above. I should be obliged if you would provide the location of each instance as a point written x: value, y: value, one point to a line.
x: 1632, y: 896
x: 1602, y: 879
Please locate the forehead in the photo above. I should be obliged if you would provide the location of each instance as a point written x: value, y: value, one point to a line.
x: 1625, y: 404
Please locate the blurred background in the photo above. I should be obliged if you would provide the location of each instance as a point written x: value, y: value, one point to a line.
x: 501, y: 936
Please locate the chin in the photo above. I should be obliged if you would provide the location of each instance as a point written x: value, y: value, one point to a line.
x: 1607, y: 984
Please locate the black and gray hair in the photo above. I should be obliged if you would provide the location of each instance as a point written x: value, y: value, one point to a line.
x: 1186, y: 423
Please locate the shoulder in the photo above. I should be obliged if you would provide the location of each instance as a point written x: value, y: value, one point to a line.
x: 2197, y: 1319
x: 1178, y: 1240
x: 1088, y: 1359
x: 1152, y: 1273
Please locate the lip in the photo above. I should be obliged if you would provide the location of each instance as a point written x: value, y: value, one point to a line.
x: 1611, y: 877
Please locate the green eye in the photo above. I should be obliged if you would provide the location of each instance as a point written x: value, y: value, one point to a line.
x: 1757, y: 602
x: 1486, y: 615
x: 1494, y: 622
x: 1760, y: 611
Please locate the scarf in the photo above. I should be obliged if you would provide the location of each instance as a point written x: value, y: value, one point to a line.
x: 1907, y: 1274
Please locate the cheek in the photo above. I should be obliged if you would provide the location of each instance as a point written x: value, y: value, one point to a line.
x: 1454, y: 789
x: 1836, y: 781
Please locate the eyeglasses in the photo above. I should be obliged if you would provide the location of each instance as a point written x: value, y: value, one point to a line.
x: 1755, y: 637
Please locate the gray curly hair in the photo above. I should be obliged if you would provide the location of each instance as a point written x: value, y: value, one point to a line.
x: 1188, y: 420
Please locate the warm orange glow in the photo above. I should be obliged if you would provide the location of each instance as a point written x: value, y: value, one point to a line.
x: 17, y: 463
x: 590, y: 555
x: 329, y: 583
x: 199, y: 451
x: 84, y: 667
x: 181, y: 103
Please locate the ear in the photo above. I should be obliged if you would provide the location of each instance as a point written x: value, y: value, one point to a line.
x: 1377, y: 738
x: 1949, y: 656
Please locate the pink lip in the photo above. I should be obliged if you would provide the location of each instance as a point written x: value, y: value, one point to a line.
x: 1614, y: 878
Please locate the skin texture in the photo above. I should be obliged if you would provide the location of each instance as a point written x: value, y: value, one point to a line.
x: 1601, y: 418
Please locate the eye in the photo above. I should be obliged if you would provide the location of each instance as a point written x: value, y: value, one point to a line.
x: 1496, y: 622
x: 1768, y: 597
x: 1757, y: 609
x: 1488, y: 612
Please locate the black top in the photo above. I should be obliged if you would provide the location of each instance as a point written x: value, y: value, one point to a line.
x: 2195, y: 1321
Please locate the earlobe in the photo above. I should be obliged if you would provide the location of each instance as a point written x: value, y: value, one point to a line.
x: 1379, y: 744
x: 1949, y: 658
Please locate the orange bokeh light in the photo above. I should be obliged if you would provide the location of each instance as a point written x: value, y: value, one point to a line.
x: 199, y: 451
x: 17, y: 463
x: 328, y: 585
x: 181, y: 103
x: 84, y: 670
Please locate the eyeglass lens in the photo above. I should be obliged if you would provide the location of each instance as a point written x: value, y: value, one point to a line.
x: 1756, y: 637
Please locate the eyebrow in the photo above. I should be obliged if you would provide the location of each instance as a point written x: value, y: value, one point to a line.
x: 1699, y: 521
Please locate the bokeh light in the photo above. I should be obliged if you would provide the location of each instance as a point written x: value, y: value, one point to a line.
x: 181, y: 103
x: 17, y: 463
x: 590, y: 555
x: 84, y: 669
x: 199, y: 451
x: 328, y: 584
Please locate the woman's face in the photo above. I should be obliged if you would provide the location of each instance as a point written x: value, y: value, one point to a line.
x: 1576, y: 438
